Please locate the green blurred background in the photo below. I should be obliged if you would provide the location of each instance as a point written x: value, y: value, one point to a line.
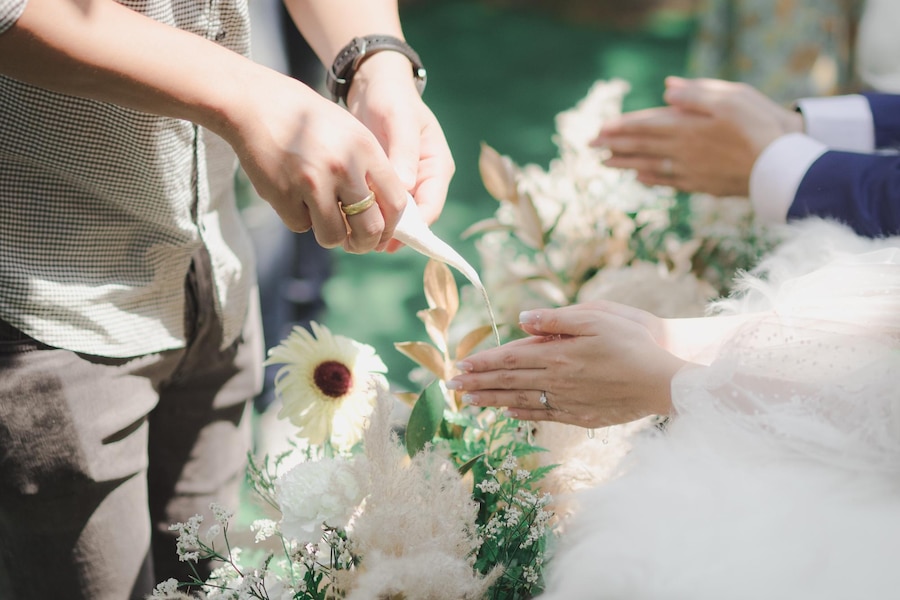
x: 499, y: 74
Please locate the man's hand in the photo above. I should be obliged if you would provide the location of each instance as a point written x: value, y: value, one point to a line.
x: 305, y: 154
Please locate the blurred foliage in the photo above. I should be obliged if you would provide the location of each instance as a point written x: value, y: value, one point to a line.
x: 610, y: 13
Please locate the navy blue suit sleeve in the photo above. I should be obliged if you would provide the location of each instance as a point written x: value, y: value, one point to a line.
x: 886, y: 116
x: 861, y: 190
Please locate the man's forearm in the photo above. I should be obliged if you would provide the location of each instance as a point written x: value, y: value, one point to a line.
x: 102, y: 50
x: 328, y: 25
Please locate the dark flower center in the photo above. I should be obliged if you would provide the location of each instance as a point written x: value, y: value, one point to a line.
x: 333, y: 378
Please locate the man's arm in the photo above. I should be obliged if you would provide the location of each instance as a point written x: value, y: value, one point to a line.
x: 855, y: 122
x: 383, y: 95
x: 301, y: 151
x: 886, y: 118
x: 862, y: 190
x: 797, y: 176
x: 727, y: 139
x: 102, y: 50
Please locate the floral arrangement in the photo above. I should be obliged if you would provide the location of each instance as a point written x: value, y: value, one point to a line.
x: 392, y: 496
x: 441, y: 503
x: 579, y: 231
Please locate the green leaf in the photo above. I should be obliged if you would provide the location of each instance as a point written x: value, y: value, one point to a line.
x: 540, y: 472
x: 464, y: 468
x: 425, y: 418
x: 524, y: 450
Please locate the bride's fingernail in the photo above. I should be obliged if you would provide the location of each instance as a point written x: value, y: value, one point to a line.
x: 454, y: 385
x: 529, y: 317
x: 465, y: 367
x: 469, y: 399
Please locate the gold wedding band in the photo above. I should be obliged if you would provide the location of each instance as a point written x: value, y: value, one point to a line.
x: 358, y: 207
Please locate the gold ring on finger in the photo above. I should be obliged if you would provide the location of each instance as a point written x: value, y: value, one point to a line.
x: 358, y: 207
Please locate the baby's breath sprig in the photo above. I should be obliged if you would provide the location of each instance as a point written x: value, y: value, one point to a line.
x: 516, y: 531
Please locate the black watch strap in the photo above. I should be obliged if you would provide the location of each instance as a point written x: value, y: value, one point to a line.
x: 348, y: 60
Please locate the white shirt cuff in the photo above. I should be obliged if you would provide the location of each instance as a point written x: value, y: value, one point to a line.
x: 777, y: 174
x: 840, y: 122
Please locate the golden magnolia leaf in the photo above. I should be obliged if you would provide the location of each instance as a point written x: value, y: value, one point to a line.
x: 425, y: 355
x: 484, y: 226
x: 468, y: 480
x: 553, y: 292
x: 437, y: 324
x: 471, y: 340
x: 498, y: 173
x: 407, y: 398
x: 440, y: 288
x: 530, y: 228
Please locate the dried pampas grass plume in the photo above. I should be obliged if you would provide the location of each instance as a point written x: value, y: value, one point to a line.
x: 417, y: 532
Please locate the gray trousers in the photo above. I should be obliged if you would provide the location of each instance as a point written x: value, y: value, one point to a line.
x: 98, y: 456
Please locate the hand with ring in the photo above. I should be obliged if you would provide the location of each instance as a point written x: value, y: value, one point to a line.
x: 384, y: 98
x: 706, y: 140
x: 305, y: 154
x: 308, y: 157
x: 590, y: 365
x: 358, y: 207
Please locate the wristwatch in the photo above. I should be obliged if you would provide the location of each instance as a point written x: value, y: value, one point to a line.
x: 348, y: 60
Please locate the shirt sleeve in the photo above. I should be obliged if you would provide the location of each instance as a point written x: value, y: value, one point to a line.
x: 861, y: 190
x: 840, y: 122
x: 10, y: 11
x: 777, y: 174
x: 886, y: 117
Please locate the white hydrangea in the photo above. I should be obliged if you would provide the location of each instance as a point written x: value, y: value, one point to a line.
x: 316, y: 493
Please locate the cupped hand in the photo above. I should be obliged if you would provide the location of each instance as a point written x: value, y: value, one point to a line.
x: 706, y: 140
x: 305, y: 155
x: 384, y: 98
x: 598, y: 364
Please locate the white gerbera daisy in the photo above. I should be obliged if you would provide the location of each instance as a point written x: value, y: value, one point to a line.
x: 328, y: 384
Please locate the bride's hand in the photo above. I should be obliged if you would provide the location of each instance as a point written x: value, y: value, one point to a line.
x: 597, y: 364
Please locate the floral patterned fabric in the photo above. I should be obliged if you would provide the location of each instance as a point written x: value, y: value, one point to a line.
x: 788, y: 49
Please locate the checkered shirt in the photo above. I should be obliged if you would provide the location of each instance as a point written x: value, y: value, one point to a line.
x: 101, y: 208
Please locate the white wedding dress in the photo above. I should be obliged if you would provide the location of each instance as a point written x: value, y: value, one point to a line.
x: 779, y: 478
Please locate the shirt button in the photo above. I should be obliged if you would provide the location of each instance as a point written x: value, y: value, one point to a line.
x: 221, y: 35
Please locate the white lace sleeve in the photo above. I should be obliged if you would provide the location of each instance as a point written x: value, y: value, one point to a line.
x: 819, y: 373
x: 778, y: 477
